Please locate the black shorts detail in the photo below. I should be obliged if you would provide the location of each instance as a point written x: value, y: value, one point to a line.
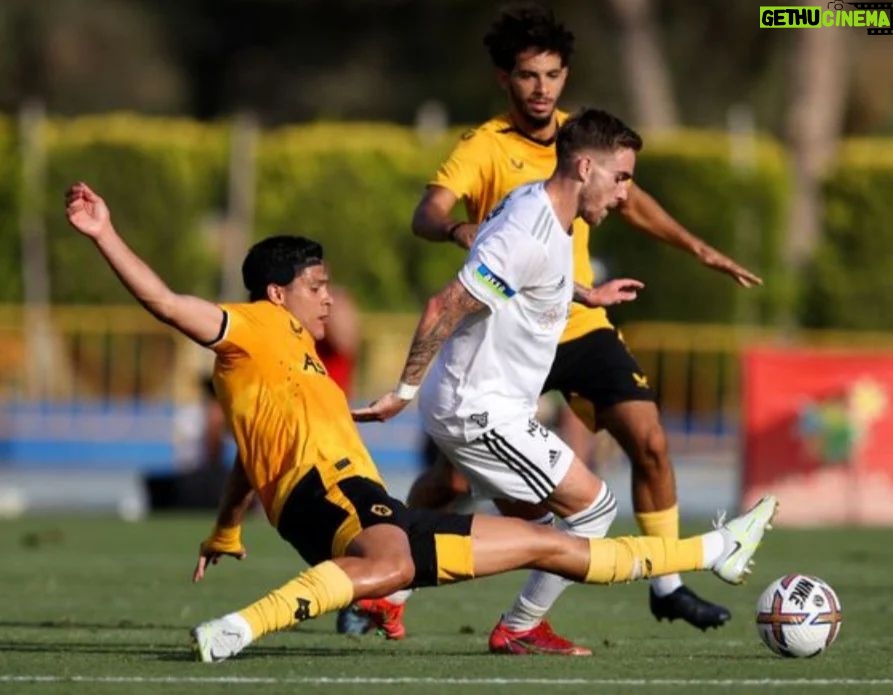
x: 600, y: 368
x: 424, y: 526
x: 309, y: 521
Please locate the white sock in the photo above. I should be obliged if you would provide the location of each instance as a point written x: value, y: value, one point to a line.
x: 540, y: 591
x: 242, y: 625
x: 400, y: 597
x: 543, y: 589
x: 666, y: 585
x: 714, y: 547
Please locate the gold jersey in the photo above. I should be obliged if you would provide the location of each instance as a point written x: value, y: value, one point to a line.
x: 491, y: 160
x: 287, y: 415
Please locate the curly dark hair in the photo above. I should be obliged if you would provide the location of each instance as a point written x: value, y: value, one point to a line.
x: 277, y: 260
x: 524, y: 26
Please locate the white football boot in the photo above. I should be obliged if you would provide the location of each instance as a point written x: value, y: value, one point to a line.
x: 220, y: 639
x: 741, y: 538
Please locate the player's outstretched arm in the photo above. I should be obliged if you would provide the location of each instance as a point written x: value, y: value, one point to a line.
x: 432, y: 218
x: 644, y: 213
x: 226, y: 538
x: 196, y: 318
x: 442, y: 315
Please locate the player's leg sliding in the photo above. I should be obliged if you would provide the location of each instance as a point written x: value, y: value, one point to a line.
x: 524, y: 630
x: 320, y: 589
x: 668, y: 597
x: 727, y: 551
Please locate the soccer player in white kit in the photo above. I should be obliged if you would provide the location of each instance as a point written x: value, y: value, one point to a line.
x: 479, y: 400
x: 495, y: 330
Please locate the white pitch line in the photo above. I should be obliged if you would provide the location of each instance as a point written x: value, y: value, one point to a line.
x: 359, y: 680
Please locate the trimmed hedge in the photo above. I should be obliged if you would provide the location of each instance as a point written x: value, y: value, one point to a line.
x: 738, y: 212
x: 10, y: 246
x: 160, y: 177
x: 354, y: 187
x: 849, y: 283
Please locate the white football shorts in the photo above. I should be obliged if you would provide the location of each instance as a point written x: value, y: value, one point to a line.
x: 519, y: 461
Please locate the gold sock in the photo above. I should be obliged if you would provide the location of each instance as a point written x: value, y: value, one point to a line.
x: 320, y: 589
x: 663, y: 524
x: 641, y: 557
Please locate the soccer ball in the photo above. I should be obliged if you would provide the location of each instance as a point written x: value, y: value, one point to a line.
x: 798, y: 615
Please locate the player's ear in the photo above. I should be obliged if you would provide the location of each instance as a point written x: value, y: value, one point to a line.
x: 502, y: 77
x: 584, y: 168
x: 276, y: 294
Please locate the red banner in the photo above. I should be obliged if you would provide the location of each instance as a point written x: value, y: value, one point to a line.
x: 818, y: 434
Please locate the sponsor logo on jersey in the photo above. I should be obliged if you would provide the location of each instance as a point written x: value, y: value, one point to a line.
x: 493, y: 282
x: 553, y: 457
x: 552, y: 315
x: 641, y: 380
x: 312, y: 365
x: 480, y: 419
x: 381, y: 510
x: 517, y: 163
x: 296, y: 327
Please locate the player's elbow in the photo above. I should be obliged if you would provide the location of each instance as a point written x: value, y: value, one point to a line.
x: 165, y: 307
x: 429, y: 219
x: 162, y: 308
x: 419, y: 223
x: 434, y: 306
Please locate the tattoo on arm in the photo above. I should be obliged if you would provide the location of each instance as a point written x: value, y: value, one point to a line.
x: 442, y: 314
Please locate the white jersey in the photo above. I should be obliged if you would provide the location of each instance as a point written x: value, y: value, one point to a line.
x: 492, y: 369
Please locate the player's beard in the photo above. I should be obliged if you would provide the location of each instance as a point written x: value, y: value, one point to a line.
x: 528, y: 120
x: 537, y: 122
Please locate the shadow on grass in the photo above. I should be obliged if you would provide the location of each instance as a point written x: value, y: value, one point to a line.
x: 92, y: 648
x: 66, y: 624
x: 182, y: 652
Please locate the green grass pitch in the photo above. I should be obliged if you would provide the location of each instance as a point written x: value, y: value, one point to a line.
x: 94, y: 605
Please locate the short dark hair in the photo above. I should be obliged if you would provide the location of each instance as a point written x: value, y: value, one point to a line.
x: 593, y: 129
x: 524, y: 26
x: 277, y: 260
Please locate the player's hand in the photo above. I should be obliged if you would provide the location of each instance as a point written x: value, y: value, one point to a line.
x: 381, y: 410
x: 210, y: 552
x: 610, y: 293
x: 714, y: 259
x: 86, y: 211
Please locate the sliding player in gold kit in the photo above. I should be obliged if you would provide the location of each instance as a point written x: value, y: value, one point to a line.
x: 300, y: 453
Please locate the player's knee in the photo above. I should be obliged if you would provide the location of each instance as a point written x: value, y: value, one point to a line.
x: 653, y: 450
x: 395, y: 571
x: 596, y: 519
x: 458, y: 485
x: 432, y: 491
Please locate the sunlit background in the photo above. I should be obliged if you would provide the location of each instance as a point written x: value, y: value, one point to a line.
x: 209, y: 124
